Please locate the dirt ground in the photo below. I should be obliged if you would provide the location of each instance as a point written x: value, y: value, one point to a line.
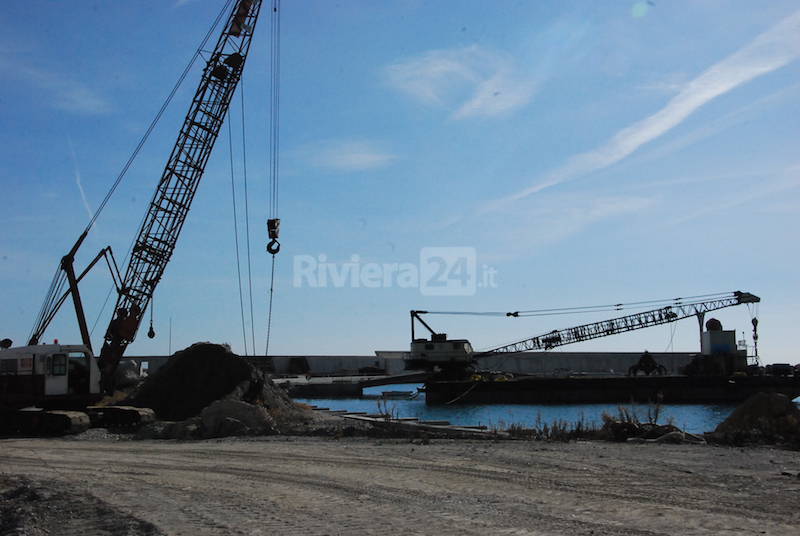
x: 310, y: 486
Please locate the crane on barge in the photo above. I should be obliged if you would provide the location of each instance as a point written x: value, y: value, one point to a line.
x: 454, y: 355
x: 719, y: 374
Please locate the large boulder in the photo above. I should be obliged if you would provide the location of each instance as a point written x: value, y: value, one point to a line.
x: 234, y: 417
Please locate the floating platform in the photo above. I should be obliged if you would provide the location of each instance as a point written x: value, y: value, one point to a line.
x: 603, y: 389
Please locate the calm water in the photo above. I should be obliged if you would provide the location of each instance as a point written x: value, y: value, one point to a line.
x: 694, y: 418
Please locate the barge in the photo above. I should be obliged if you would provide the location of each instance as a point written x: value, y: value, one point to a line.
x: 604, y: 389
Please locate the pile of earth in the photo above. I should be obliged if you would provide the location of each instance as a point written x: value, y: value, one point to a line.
x: 208, y: 391
x: 762, y: 418
x: 33, y: 508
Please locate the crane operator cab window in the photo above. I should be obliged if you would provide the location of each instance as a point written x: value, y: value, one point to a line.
x: 58, y: 365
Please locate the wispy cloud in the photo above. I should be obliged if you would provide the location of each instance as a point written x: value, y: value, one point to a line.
x: 773, y: 49
x: 767, y: 185
x: 669, y: 83
x: 470, y: 81
x: 561, y: 218
x: 551, y: 219
x: 78, y: 177
x: 347, y: 155
x: 714, y: 126
x: 61, y: 92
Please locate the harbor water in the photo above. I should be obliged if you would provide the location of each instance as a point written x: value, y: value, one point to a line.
x: 694, y: 418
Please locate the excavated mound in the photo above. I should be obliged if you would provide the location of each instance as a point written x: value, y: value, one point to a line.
x: 201, y: 374
x: 764, y: 417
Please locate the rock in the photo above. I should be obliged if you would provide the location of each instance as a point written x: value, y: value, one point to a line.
x: 232, y: 427
x: 655, y: 431
x: 127, y: 374
x: 188, y: 429
x: 215, y: 420
x: 692, y: 438
x: 156, y: 430
x: 671, y: 437
x: 622, y: 430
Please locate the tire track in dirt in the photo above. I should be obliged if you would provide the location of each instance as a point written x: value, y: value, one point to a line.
x: 358, y: 487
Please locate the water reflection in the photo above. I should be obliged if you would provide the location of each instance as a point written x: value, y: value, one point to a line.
x: 695, y: 418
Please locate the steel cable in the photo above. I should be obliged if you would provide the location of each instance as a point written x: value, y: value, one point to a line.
x: 236, y: 236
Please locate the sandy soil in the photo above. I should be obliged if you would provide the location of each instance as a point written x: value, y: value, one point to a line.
x: 309, y: 486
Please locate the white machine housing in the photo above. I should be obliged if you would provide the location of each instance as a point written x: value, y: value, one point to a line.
x: 61, y: 365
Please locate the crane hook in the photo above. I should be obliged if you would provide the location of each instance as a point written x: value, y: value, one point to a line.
x: 274, y: 228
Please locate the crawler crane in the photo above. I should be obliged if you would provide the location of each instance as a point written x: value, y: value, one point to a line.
x: 55, y: 375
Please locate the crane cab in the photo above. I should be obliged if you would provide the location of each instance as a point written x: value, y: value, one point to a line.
x: 47, y: 375
x: 439, y: 352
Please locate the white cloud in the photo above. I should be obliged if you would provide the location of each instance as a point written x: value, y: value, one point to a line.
x: 773, y: 49
x: 78, y: 178
x: 471, y: 81
x: 553, y: 218
x: 62, y: 93
x: 670, y: 83
x: 348, y: 155
x: 559, y: 219
x: 765, y: 186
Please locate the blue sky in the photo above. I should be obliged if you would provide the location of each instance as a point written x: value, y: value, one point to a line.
x: 587, y: 152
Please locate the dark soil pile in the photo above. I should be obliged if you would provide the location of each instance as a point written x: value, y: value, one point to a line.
x: 34, y: 508
x: 201, y: 374
x: 762, y: 418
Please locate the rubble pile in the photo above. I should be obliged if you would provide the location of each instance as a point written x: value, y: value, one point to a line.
x: 762, y: 418
x: 208, y: 391
x: 637, y: 432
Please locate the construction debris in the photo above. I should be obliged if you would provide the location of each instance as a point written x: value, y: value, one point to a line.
x: 628, y: 429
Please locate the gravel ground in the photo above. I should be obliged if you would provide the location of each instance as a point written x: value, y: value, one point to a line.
x: 310, y: 486
x: 36, y: 508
